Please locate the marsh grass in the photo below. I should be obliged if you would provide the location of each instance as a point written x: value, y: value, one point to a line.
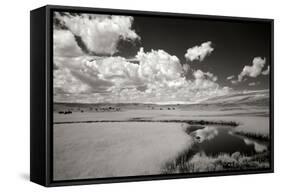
x: 221, y: 162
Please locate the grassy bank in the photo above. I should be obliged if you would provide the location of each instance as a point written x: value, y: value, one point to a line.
x: 191, y: 122
x: 203, y: 163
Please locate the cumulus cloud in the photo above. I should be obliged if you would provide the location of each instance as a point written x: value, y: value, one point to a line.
x: 156, y: 77
x: 185, y: 67
x: 65, y: 45
x: 266, y: 72
x: 199, y: 52
x: 66, y: 83
x: 158, y: 66
x: 153, y: 76
x: 199, y: 75
x: 230, y: 77
x: 254, y: 70
x: 100, y: 33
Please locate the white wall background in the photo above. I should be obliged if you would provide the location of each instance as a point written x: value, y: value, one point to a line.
x: 14, y: 97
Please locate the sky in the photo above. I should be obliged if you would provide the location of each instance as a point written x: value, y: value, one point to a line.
x: 140, y: 59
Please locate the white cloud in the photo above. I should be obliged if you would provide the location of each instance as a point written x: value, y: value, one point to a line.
x: 65, y: 44
x: 158, y: 66
x: 156, y: 78
x: 185, y: 67
x: 66, y: 83
x: 254, y: 70
x: 199, y: 52
x: 266, y: 72
x: 100, y: 33
x: 199, y: 75
x: 230, y: 77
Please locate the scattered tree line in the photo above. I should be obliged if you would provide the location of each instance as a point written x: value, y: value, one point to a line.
x: 97, y: 109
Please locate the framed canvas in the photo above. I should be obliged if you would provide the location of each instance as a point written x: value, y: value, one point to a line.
x: 123, y: 95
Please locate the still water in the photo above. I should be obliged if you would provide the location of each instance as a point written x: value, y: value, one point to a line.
x: 213, y: 140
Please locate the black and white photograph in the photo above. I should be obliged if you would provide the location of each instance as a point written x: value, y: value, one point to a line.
x: 140, y: 95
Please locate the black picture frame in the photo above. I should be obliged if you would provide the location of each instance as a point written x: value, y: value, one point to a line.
x: 41, y: 95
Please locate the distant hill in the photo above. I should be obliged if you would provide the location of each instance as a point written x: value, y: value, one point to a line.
x: 260, y: 97
x: 235, y: 100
